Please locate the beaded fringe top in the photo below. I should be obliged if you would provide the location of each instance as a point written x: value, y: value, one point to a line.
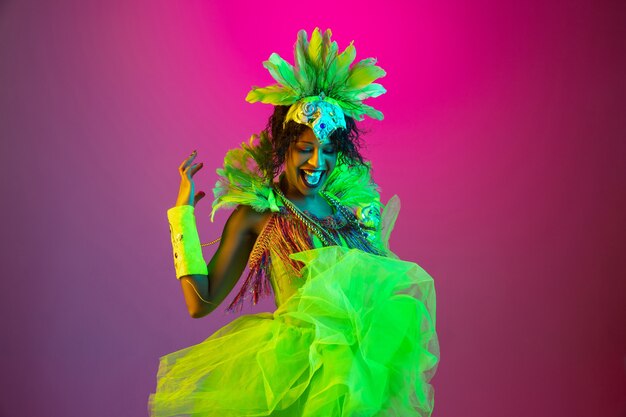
x: 283, y: 235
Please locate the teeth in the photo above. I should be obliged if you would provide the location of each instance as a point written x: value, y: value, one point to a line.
x: 312, y: 177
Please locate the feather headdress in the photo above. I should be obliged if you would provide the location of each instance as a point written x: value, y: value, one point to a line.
x: 320, y: 70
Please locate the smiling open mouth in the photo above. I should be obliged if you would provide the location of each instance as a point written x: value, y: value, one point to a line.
x: 311, y: 177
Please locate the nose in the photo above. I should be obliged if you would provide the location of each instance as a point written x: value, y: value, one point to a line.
x: 315, y: 158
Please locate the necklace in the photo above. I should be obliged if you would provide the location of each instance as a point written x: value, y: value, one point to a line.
x: 345, y: 212
x: 326, y: 238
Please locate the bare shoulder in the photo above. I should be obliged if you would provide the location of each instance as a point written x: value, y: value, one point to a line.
x: 248, y: 220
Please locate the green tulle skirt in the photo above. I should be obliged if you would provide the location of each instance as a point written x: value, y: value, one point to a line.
x: 357, y: 339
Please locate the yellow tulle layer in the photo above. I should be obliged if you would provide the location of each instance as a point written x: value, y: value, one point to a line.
x: 357, y: 339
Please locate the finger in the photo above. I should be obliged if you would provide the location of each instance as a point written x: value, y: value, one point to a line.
x: 195, y: 168
x: 188, y: 161
x: 192, y: 169
x: 199, y: 195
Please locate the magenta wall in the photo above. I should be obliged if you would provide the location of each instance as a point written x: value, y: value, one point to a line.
x: 504, y: 136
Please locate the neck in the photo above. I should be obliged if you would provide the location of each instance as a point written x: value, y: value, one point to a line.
x: 313, y: 203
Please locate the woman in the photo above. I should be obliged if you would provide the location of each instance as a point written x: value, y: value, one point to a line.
x: 354, y: 329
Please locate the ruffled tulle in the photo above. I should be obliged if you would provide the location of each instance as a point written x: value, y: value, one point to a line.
x: 357, y: 339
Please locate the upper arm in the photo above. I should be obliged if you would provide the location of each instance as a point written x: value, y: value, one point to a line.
x: 229, y: 261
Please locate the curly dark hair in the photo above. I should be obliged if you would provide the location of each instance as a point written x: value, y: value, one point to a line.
x: 347, y: 141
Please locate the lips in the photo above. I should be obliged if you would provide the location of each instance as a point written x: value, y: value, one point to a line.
x: 312, y: 178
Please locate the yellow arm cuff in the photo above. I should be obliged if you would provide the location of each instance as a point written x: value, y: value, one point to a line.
x: 188, y: 258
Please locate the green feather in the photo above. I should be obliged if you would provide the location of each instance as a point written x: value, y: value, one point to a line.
x: 363, y: 73
x: 241, y: 181
x: 324, y: 61
x: 352, y: 110
x: 353, y: 185
x: 326, y: 45
x: 370, y: 90
x: 344, y: 60
x: 371, y: 112
x: 281, y: 71
x: 303, y: 72
x: 273, y: 94
x: 331, y: 69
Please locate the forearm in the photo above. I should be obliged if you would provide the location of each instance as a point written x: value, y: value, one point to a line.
x: 206, y: 286
x: 189, y: 264
x: 204, y: 293
x: 197, y: 295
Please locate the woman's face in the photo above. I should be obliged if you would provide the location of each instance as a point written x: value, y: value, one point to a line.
x: 308, y: 163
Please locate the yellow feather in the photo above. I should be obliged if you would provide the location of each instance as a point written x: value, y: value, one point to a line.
x: 315, y: 47
x: 274, y: 94
x: 363, y: 73
x: 344, y: 60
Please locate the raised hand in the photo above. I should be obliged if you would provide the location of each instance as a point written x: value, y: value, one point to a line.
x: 186, y: 192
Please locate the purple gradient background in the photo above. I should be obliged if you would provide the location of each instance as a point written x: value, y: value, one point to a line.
x: 504, y: 137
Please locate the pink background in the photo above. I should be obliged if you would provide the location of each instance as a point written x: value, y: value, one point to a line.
x: 504, y: 137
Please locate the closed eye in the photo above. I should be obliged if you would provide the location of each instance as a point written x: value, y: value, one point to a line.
x: 327, y: 151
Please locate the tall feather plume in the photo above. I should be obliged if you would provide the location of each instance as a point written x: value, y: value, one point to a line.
x: 363, y: 73
x: 370, y: 90
x: 318, y: 68
x: 281, y: 71
x: 315, y: 49
x: 304, y: 71
x: 344, y: 60
x: 325, y: 57
x: 331, y: 68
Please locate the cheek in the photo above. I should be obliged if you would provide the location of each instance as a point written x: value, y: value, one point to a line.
x: 288, y: 162
x: 297, y: 160
x: 332, y: 163
x: 291, y: 164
